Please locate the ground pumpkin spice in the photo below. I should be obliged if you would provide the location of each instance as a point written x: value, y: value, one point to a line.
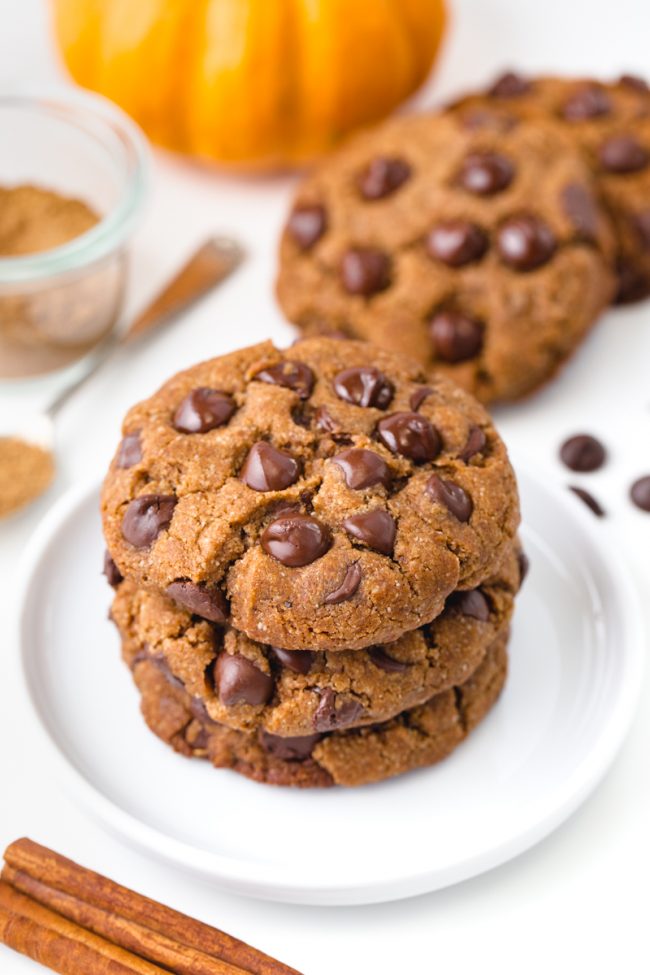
x: 26, y: 470
x: 33, y: 219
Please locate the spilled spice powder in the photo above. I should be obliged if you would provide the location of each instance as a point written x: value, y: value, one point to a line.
x: 26, y: 470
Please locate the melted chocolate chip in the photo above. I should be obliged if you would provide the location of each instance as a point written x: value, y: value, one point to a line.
x: 238, y: 681
x: 268, y: 469
x: 485, y: 173
x: 456, y: 243
x: 294, y: 375
x: 296, y: 539
x: 525, y: 242
x: 418, y: 397
x: 145, y: 517
x: 288, y: 749
x: 348, y: 588
x: 307, y: 224
x: 451, y: 496
x: 376, y: 529
x: 323, y: 420
x: 476, y: 442
x: 633, y: 284
x: 590, y: 101
x: 208, y: 602
x: 364, y: 386
x: 333, y: 713
x: 365, y: 271
x: 472, y: 603
x: 382, y: 176
x: 509, y: 85
x: 623, y: 154
x: 633, y: 81
x: 129, y: 453
x: 588, y: 499
x: 640, y: 493
x: 523, y: 563
x: 362, y: 468
x: 382, y: 660
x: 203, y: 409
x: 300, y: 661
x: 456, y: 336
x: 580, y: 207
x: 583, y: 453
x: 111, y: 571
x: 410, y: 435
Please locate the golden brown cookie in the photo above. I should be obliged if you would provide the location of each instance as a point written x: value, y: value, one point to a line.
x: 482, y: 251
x: 322, y: 497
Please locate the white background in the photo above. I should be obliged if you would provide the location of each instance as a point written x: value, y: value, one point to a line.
x: 577, y: 902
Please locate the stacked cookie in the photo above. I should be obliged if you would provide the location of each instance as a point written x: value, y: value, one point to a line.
x: 315, y: 561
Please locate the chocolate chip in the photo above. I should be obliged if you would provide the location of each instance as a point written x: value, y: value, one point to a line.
x: 365, y: 271
x: 590, y: 101
x: 268, y: 469
x: 376, y: 529
x: 238, y: 681
x: 300, y: 661
x: 588, y: 499
x: 641, y: 223
x: 456, y: 242
x: 111, y: 571
x: 525, y: 242
x: 633, y: 81
x: 288, y: 749
x: 294, y: 375
x: 485, y: 173
x: 456, y: 336
x: 333, y: 713
x: 582, y: 453
x: 623, y: 154
x: 640, y: 493
x: 203, y: 600
x: 523, y: 563
x: 580, y: 207
x: 296, y: 539
x: 509, y: 85
x: 129, y: 452
x: 633, y: 284
x: 451, y: 496
x: 323, y: 420
x: 362, y: 468
x: 200, y: 712
x: 418, y: 397
x: 382, y: 660
x: 382, y: 176
x: 203, y: 409
x: 476, y: 442
x: 307, y: 224
x: 364, y: 386
x: 472, y: 603
x: 410, y: 435
x: 145, y: 517
x: 348, y: 588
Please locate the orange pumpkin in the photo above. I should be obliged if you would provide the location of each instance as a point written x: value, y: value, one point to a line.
x: 264, y: 82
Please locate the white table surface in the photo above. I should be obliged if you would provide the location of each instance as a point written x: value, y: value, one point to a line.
x: 578, y: 901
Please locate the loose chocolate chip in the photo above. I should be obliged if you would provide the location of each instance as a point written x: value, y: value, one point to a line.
x: 623, y: 154
x: 296, y: 539
x: 376, y: 529
x: 523, y: 563
x: 364, y: 386
x: 509, y: 85
x: 145, y: 517
x: 590, y: 101
x: 268, y: 469
x: 580, y: 207
x: 362, y: 468
x: 588, y: 499
x: 382, y: 176
x: 129, y: 452
x: 410, y: 435
x: 485, y: 173
x: 111, y: 571
x: 472, y: 603
x: 307, y: 224
x: 418, y: 397
x: 288, y: 749
x: 640, y: 493
x: 633, y: 81
x: 365, y: 271
x: 525, y: 242
x: 300, y: 661
x: 456, y: 242
x: 323, y: 420
x: 633, y: 284
x: 333, y: 713
x: 203, y: 409
x: 348, y: 588
x: 641, y: 223
x: 582, y: 453
x: 451, y: 496
x: 238, y: 681
x: 476, y: 442
x: 382, y: 660
x: 294, y: 375
x: 209, y: 602
x: 456, y: 336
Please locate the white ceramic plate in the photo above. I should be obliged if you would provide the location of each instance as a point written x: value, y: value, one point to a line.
x: 576, y: 657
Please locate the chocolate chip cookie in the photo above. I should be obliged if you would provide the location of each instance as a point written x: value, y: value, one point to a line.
x: 323, y: 497
x: 295, y: 693
x: 610, y: 123
x: 480, y: 250
x: 419, y: 737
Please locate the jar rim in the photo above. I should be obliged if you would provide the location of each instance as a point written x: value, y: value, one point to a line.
x: 87, y: 110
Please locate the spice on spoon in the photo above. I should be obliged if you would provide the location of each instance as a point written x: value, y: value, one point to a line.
x: 26, y: 470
